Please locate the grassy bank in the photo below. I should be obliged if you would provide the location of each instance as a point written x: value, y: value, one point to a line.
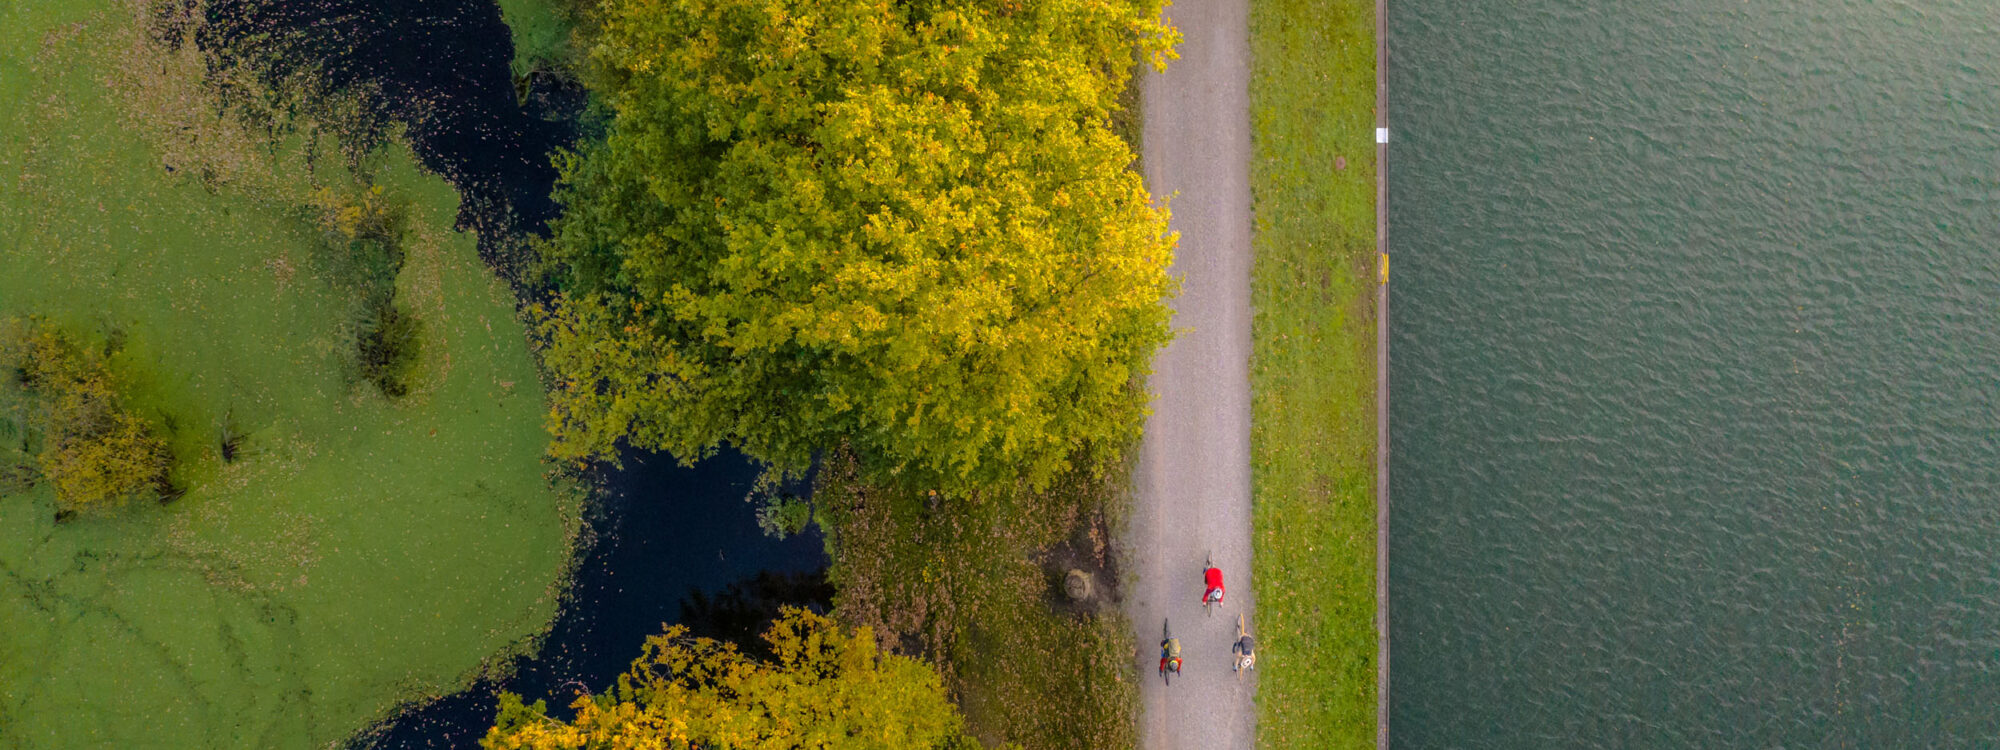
x: 541, y: 30
x: 337, y: 550
x: 1313, y: 370
x: 976, y: 587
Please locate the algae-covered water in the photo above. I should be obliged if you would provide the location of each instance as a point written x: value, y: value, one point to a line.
x: 361, y: 551
x: 1695, y: 360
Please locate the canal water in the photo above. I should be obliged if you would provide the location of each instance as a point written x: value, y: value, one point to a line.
x: 1696, y: 353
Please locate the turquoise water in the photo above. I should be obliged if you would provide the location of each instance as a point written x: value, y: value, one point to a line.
x: 1696, y: 351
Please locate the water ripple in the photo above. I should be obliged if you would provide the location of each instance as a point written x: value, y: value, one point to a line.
x: 1695, y: 362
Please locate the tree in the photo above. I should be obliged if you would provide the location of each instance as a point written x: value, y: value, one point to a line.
x: 904, y: 226
x: 93, y: 449
x: 827, y: 688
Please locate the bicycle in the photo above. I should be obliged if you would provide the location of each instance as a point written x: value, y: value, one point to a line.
x: 1245, y: 649
x: 1211, y: 596
x: 1170, y: 653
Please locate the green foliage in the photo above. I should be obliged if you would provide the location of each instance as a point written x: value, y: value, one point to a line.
x: 784, y: 515
x: 93, y: 450
x: 364, y: 230
x: 360, y: 214
x: 390, y: 342
x: 828, y: 688
x: 906, y: 226
x: 246, y: 116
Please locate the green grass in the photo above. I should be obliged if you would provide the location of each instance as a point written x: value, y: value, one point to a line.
x: 1313, y: 370
x: 973, y: 587
x: 541, y: 31
x: 361, y: 551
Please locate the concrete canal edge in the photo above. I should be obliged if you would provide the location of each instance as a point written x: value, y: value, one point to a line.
x: 1382, y: 376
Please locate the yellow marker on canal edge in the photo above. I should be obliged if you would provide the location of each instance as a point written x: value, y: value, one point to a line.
x: 1385, y: 269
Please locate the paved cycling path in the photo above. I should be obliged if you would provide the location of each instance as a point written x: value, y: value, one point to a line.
x: 1192, y: 482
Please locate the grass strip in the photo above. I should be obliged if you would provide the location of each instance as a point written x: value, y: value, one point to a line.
x: 1312, y: 94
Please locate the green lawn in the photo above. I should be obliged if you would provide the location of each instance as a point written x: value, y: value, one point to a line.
x: 541, y: 30
x: 1313, y: 370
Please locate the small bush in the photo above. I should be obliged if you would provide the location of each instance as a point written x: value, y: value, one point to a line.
x: 390, y: 342
x: 361, y: 214
x: 362, y: 233
x: 784, y: 515
x: 97, y: 462
x: 93, y: 450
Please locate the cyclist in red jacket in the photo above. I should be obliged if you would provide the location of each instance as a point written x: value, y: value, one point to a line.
x: 1213, y: 577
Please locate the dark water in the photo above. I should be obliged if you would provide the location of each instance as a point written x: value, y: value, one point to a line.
x: 674, y: 545
x: 1696, y: 354
x: 440, y: 69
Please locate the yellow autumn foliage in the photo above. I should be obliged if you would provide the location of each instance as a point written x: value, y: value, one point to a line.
x: 356, y: 214
x: 902, y: 226
x: 93, y: 450
x: 825, y: 688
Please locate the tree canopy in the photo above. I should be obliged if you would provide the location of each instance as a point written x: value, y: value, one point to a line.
x: 827, y: 688
x: 902, y: 226
x: 94, y: 450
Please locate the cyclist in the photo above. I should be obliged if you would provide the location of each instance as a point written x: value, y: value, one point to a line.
x: 1245, y: 647
x: 1213, y: 594
x: 1170, y: 657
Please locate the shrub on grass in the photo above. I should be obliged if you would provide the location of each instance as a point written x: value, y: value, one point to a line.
x: 390, y: 342
x: 360, y: 214
x: 94, y: 451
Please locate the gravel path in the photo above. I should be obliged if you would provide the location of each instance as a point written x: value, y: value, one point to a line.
x: 1192, y: 482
